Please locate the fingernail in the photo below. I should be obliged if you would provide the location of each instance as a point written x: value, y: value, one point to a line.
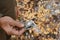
x: 22, y: 25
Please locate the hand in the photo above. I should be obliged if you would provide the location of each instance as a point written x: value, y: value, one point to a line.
x: 7, y: 24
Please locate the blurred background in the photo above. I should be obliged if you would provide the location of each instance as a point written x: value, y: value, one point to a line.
x: 45, y: 14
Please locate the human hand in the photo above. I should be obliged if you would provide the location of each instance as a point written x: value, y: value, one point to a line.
x: 7, y: 24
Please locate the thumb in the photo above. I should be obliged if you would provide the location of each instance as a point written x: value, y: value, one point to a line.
x: 18, y: 24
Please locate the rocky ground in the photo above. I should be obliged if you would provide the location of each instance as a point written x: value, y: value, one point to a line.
x: 45, y: 14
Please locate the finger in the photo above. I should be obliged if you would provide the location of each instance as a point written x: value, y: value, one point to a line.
x: 15, y: 32
x: 21, y: 31
x: 18, y: 24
